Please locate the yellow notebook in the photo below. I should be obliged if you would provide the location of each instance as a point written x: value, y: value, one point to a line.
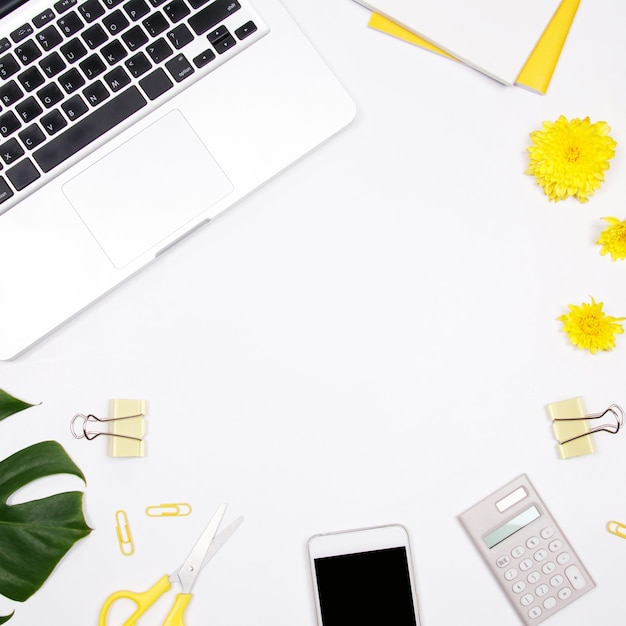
x: 539, y: 67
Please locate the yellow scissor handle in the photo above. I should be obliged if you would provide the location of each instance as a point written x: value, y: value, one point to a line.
x: 177, y: 612
x: 143, y: 600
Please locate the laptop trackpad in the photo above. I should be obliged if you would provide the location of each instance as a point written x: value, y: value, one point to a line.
x: 148, y: 188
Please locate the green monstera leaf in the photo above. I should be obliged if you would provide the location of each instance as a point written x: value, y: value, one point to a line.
x: 10, y: 405
x: 35, y: 535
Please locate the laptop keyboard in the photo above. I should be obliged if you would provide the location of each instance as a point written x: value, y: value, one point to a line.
x: 81, y: 71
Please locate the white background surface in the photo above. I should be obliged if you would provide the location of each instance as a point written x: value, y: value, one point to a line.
x: 370, y: 338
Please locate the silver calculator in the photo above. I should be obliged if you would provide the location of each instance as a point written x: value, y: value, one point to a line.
x: 526, y: 551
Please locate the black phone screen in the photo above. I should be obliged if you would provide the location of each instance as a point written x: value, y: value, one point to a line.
x: 366, y: 588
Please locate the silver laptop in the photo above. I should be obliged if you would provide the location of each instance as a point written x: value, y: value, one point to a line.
x: 126, y: 124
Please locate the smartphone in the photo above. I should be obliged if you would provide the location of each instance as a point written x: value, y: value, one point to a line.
x: 364, y: 577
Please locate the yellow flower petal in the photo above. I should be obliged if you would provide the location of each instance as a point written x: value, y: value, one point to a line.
x: 569, y: 158
x: 589, y: 328
x: 613, y: 239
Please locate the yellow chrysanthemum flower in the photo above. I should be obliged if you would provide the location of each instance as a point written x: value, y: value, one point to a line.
x: 589, y: 328
x: 569, y: 158
x: 613, y: 239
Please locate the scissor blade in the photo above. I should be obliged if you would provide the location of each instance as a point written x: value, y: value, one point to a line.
x: 221, y: 539
x: 190, y: 569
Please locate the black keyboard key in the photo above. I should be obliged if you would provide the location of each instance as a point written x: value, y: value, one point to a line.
x: 23, y: 174
x: 212, y: 15
x: 110, y: 4
x: 5, y: 44
x: 73, y: 50
x: 89, y: 128
x: 94, y: 36
x: 74, y: 108
x: 225, y: 43
x: 43, y: 18
x: 8, y: 66
x: 19, y: 34
x: 29, y: 109
x: 5, y: 191
x: 202, y: 59
x: 91, y: 10
x: 64, y: 5
x: 159, y: 50
x: 116, y: 79
x: 196, y: 4
x: 156, y: 83
x: 53, y: 122
x: 96, y: 93
x: 49, y: 95
x: 179, y: 68
x: 176, y: 10
x: 27, y: 52
x: 11, y: 151
x: 31, y: 78
x: 116, y: 22
x: 10, y: 93
x: 70, y: 24
x: 136, y: 9
x: 72, y: 80
x: 92, y: 66
x: 246, y: 30
x: 135, y: 38
x: 180, y: 36
x: 52, y: 65
x: 156, y: 24
x: 156, y: 3
x: 32, y: 136
x: 8, y: 123
x: 49, y: 38
x: 138, y: 64
x: 113, y: 52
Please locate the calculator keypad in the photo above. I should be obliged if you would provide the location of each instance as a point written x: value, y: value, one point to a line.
x: 539, y: 572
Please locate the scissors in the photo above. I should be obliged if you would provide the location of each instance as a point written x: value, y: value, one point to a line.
x: 204, y: 550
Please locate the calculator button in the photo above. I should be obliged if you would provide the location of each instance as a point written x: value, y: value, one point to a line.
x: 542, y: 590
x: 503, y: 561
x: 565, y: 593
x: 556, y: 580
x: 517, y: 552
x: 510, y: 574
x: 533, y: 577
x: 555, y: 545
x: 527, y: 599
x: 534, y: 612
x: 563, y: 558
x: 519, y: 586
x: 548, y: 567
x: 547, y: 532
x: 574, y: 575
x: 549, y: 603
x: 526, y: 564
x: 540, y: 555
x: 532, y: 542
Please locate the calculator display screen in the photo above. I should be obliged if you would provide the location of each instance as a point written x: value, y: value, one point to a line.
x: 511, y: 527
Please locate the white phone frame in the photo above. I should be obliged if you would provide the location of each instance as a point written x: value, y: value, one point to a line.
x: 360, y: 540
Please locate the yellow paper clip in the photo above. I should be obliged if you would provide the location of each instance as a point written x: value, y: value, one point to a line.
x: 176, y: 509
x: 124, y: 536
x: 616, y: 528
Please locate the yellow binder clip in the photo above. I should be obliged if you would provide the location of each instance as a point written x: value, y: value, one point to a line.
x: 124, y: 536
x: 176, y: 509
x: 574, y: 428
x: 125, y: 427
